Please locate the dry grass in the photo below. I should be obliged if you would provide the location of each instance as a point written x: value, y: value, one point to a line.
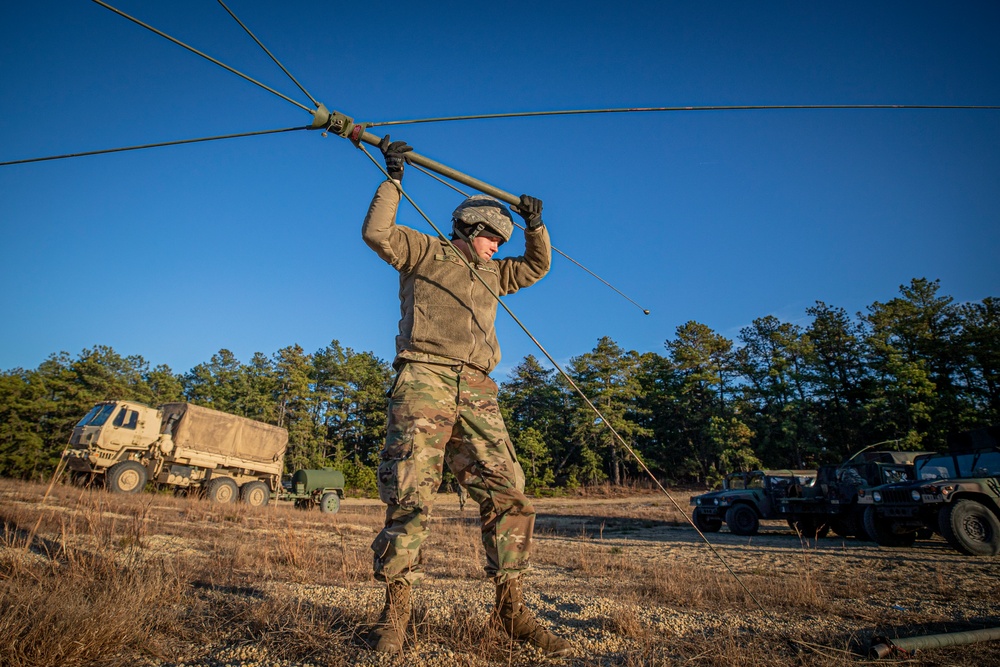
x: 88, y: 578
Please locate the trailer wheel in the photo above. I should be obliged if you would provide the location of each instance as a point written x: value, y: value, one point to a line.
x: 126, y: 477
x: 883, y: 532
x: 222, y: 490
x: 742, y: 520
x: 255, y: 494
x: 970, y: 528
x: 329, y: 503
x: 706, y: 524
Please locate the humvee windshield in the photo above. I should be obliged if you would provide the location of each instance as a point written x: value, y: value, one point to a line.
x: 984, y: 463
x: 97, y: 416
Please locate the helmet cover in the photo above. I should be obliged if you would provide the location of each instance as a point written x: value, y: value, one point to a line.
x: 487, y: 211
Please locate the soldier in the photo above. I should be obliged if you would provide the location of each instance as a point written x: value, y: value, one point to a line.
x: 443, y: 405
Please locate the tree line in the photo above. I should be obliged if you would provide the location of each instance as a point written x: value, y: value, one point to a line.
x: 906, y: 373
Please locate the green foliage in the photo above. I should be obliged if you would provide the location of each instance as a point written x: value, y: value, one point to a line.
x: 783, y: 395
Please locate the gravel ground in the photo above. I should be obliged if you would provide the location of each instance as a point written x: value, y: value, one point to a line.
x: 629, y: 584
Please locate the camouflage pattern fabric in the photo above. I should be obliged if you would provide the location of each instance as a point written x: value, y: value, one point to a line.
x: 449, y: 415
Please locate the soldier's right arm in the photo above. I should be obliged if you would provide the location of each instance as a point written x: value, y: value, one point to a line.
x: 399, y: 246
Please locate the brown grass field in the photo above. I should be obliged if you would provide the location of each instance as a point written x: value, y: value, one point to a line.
x: 88, y: 578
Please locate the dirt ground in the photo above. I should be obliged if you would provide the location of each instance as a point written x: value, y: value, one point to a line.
x: 624, y: 578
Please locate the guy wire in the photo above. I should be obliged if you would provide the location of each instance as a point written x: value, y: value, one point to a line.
x: 203, y: 55
x: 158, y: 145
x: 590, y: 404
x: 738, y: 107
x: 521, y: 227
x: 271, y: 55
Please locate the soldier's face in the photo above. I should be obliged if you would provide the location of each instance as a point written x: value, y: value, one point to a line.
x: 485, y: 246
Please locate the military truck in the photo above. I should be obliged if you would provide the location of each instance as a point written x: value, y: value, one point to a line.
x: 180, y: 445
x: 832, y: 502
x: 746, y: 498
x: 956, y: 493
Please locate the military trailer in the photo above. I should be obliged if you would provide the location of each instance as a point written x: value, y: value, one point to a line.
x: 956, y: 493
x: 832, y: 502
x: 315, y: 488
x: 178, y: 445
x: 746, y: 498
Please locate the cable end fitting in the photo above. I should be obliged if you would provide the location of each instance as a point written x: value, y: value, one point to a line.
x: 336, y: 122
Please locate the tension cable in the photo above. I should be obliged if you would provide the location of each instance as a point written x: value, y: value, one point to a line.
x: 271, y: 55
x: 738, y: 107
x: 204, y: 55
x: 521, y: 227
x: 576, y: 388
x: 157, y: 145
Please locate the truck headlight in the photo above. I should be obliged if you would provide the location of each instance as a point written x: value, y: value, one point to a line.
x: 716, y: 501
x: 877, y: 496
x: 697, y: 501
x: 915, y: 494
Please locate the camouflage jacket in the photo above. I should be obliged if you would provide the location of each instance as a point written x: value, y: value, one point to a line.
x: 446, y: 314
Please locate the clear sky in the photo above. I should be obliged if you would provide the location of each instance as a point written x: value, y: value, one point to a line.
x: 719, y: 217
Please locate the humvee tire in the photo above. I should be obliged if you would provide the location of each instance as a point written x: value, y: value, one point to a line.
x: 742, y: 520
x: 255, y: 494
x: 970, y: 528
x: 704, y: 523
x: 126, y: 477
x: 222, y: 490
x: 880, y: 530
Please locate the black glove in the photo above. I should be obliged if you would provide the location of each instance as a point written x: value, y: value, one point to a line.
x: 530, y: 209
x: 395, y: 156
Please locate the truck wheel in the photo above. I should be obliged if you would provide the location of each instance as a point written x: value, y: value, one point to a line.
x: 883, y: 532
x: 255, y: 494
x: 841, y: 527
x: 706, y: 524
x: 329, y: 503
x: 126, y: 477
x: 742, y: 520
x: 857, y: 520
x: 810, y: 528
x: 222, y: 490
x: 970, y: 528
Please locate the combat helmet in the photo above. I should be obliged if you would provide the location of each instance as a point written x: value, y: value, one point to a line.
x: 481, y: 212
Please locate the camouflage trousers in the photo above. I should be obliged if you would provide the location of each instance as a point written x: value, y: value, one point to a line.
x: 449, y: 414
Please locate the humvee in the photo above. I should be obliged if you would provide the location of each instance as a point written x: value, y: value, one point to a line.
x: 746, y: 498
x: 956, y: 494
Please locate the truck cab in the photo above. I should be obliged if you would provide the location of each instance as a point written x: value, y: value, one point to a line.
x: 112, y: 432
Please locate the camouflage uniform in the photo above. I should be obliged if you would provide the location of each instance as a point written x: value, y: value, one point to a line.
x: 443, y: 405
x: 449, y: 414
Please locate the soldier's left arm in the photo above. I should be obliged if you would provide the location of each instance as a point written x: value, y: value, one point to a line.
x: 518, y: 272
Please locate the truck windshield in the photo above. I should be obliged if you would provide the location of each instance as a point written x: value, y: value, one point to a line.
x: 98, y: 415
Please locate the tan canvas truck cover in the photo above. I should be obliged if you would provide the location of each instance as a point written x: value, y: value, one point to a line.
x: 224, y: 435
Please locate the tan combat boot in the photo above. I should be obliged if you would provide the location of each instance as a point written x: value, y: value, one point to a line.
x: 390, y: 631
x: 520, y: 624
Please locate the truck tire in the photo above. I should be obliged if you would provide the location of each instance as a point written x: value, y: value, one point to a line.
x: 706, y: 524
x: 329, y: 503
x: 883, y: 533
x: 742, y: 520
x: 810, y: 527
x: 970, y: 527
x: 255, y: 494
x: 857, y: 520
x: 222, y: 490
x: 126, y: 477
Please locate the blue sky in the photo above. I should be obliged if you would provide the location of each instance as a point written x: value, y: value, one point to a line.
x: 719, y: 217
